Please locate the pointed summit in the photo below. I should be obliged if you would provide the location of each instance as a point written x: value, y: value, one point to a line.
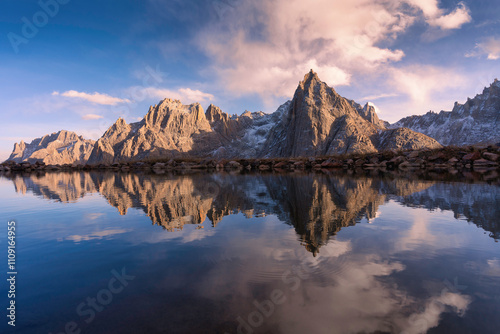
x: 214, y: 114
x: 310, y: 76
x: 119, y: 124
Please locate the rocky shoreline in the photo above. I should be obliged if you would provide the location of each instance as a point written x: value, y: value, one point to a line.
x: 446, y: 159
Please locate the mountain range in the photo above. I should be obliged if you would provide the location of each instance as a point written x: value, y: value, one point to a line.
x: 63, y: 147
x: 316, y: 122
x: 475, y: 122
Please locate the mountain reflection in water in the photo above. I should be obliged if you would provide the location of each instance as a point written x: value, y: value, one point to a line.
x: 316, y: 205
x: 347, y: 253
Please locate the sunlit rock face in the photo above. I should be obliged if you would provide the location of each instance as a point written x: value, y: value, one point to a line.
x: 316, y: 205
x: 63, y: 147
x: 476, y: 121
x: 168, y: 129
x: 317, y: 121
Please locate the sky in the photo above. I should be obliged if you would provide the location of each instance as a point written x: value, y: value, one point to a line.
x: 79, y: 65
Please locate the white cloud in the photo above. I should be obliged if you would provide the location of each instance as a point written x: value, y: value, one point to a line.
x: 429, y: 317
x: 97, y: 98
x: 95, y: 235
x: 185, y: 95
x: 420, y: 88
x: 88, y: 117
x: 490, y: 47
x: 454, y: 20
x: 422, y: 82
x: 436, y: 16
x: 379, y: 96
x: 266, y: 46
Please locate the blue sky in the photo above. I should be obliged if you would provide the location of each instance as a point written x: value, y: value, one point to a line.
x: 79, y: 65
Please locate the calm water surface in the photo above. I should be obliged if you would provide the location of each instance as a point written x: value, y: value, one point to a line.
x: 222, y: 253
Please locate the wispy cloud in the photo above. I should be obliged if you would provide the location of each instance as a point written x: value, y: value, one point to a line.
x: 422, y: 82
x: 265, y: 46
x: 95, y: 235
x: 185, y: 95
x: 490, y: 47
x: 437, y: 17
x: 89, y: 117
x: 97, y: 98
x: 379, y: 96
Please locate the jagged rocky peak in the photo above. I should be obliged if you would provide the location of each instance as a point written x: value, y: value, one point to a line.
x: 119, y: 124
x: 215, y: 114
x: 62, y: 147
x: 169, y: 113
x: 321, y: 122
x: 19, y: 146
x: 119, y: 129
x: 311, y: 76
x: 369, y: 112
x: 477, y: 121
x: 317, y: 121
x: 311, y: 90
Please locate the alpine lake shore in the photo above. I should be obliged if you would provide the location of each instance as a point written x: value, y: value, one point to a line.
x: 451, y: 160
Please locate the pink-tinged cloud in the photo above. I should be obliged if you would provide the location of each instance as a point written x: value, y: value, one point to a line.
x: 97, y: 98
x: 266, y: 46
x: 90, y: 117
x: 185, y: 95
x: 490, y: 47
x: 436, y: 16
x: 421, y: 82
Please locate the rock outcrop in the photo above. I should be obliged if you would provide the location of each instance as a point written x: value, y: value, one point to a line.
x: 321, y: 122
x: 169, y: 129
x: 63, y: 147
x: 475, y: 122
x: 318, y: 121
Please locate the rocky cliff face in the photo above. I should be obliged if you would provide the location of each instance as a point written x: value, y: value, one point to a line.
x: 477, y: 121
x: 169, y: 129
x: 318, y: 121
x: 63, y: 147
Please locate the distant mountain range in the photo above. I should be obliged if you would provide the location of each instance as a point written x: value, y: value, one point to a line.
x: 63, y: 147
x: 475, y: 122
x: 316, y: 122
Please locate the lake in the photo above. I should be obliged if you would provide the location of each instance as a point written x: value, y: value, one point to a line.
x: 252, y: 253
